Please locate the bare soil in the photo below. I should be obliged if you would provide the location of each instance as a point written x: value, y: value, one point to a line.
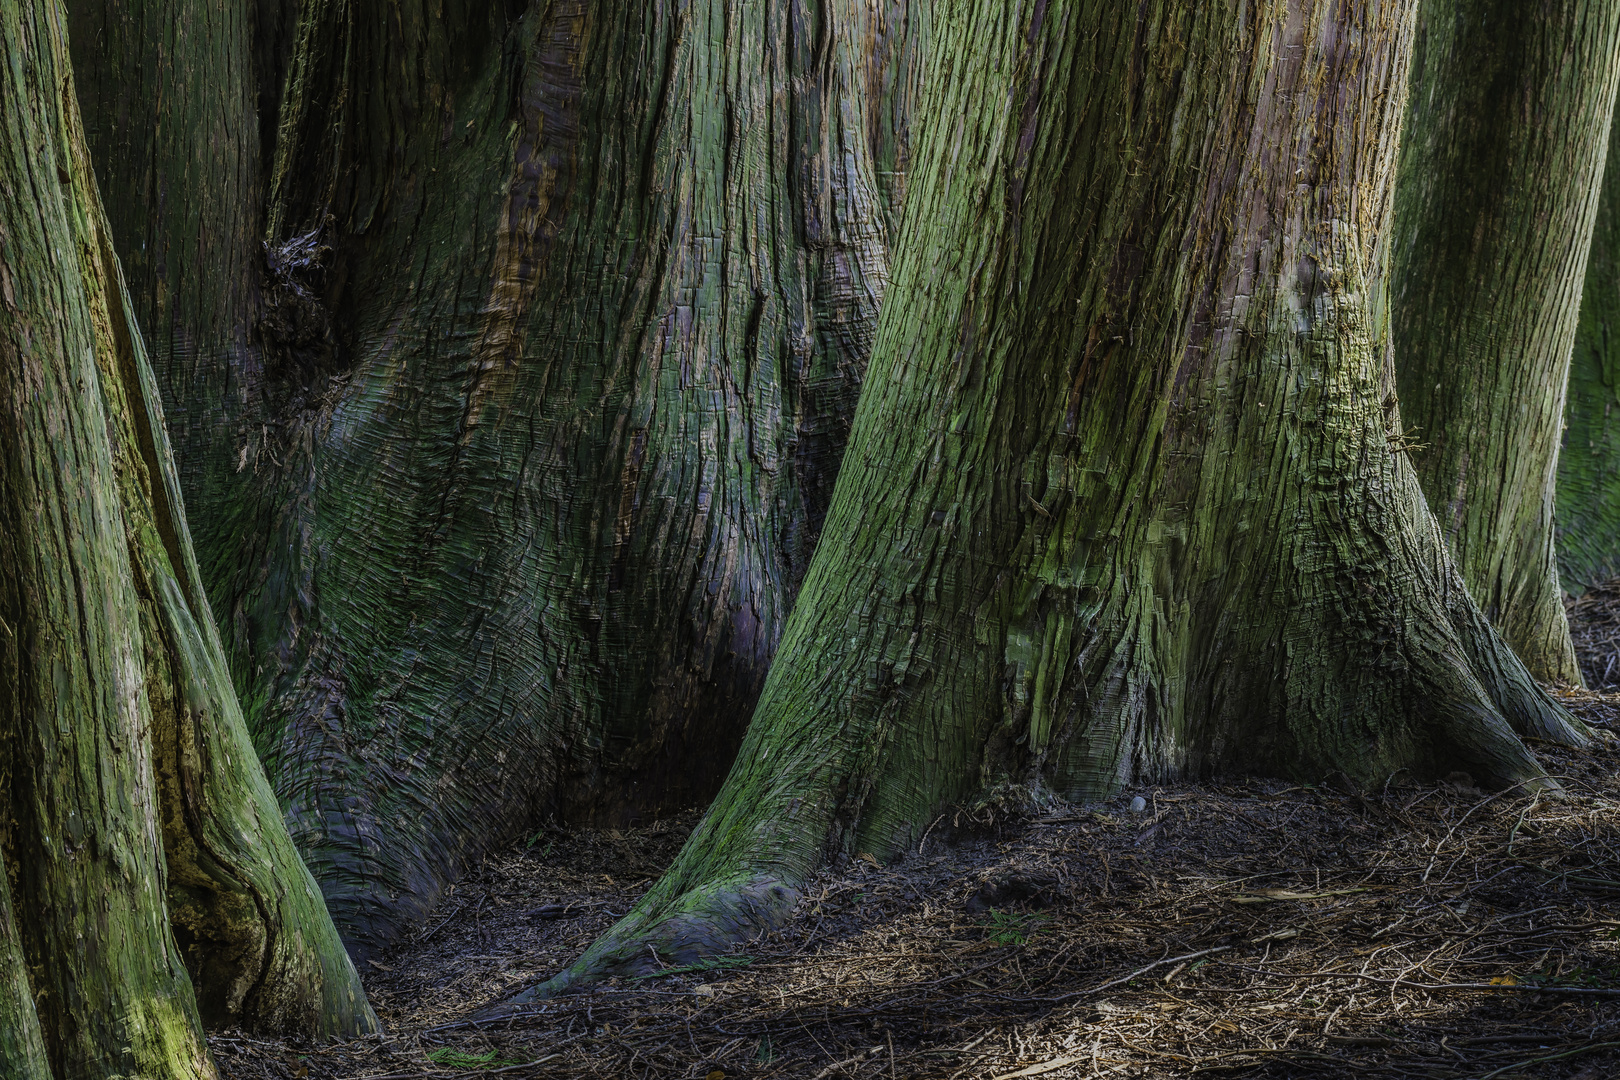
x: 1245, y: 928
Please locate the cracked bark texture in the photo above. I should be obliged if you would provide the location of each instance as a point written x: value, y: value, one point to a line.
x: 1507, y: 130
x: 1124, y: 499
x: 152, y: 884
x: 510, y: 422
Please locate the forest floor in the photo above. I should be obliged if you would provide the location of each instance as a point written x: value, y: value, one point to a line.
x: 1246, y: 928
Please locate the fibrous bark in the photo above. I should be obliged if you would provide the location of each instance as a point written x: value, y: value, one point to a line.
x: 1504, y: 147
x: 141, y: 839
x: 1125, y: 497
x: 505, y: 489
x: 1588, y: 541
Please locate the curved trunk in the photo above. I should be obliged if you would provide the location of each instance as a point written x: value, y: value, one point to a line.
x: 1589, y: 464
x: 507, y: 480
x: 1124, y: 499
x: 120, y: 723
x: 1500, y: 166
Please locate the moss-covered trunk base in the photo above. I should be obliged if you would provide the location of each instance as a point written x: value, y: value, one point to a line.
x: 1126, y: 498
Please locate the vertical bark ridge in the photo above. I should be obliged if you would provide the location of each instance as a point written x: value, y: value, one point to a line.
x: 1124, y: 499
x: 1507, y: 131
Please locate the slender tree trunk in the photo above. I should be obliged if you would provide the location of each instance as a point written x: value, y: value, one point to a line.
x: 1500, y: 166
x: 1124, y: 498
x: 134, y: 801
x: 551, y: 361
x: 1589, y: 464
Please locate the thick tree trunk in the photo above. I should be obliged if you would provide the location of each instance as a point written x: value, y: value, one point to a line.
x: 1500, y: 165
x: 119, y: 721
x: 1124, y: 498
x: 1589, y: 464
x: 558, y: 341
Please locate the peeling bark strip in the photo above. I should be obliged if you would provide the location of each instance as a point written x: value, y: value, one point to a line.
x: 1589, y: 462
x: 133, y: 811
x: 1120, y: 501
x: 534, y: 406
x: 1501, y: 160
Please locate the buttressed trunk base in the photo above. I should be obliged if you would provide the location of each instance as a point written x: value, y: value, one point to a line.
x: 1125, y: 498
x: 505, y: 485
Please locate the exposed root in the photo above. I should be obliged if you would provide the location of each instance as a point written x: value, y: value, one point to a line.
x: 656, y: 937
x: 1525, y: 703
x: 1475, y: 736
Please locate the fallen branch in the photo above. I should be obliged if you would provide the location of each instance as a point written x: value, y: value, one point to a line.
x: 1587, y: 1049
x: 840, y: 1065
x: 1582, y: 991
x: 1111, y: 983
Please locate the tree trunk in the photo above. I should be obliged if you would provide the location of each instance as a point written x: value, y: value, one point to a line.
x: 1500, y: 165
x: 506, y: 491
x: 172, y: 94
x: 1589, y: 465
x: 1124, y: 499
x: 22, y: 1044
x: 133, y: 799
